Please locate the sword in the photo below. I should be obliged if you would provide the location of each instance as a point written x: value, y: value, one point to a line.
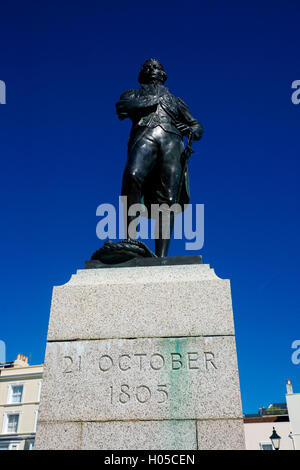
x: 185, y: 157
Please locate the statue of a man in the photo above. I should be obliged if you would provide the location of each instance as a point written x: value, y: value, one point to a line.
x: 154, y: 169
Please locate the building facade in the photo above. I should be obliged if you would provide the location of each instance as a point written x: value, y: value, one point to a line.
x: 20, y: 388
x: 259, y: 429
x: 283, y: 417
x: 293, y: 405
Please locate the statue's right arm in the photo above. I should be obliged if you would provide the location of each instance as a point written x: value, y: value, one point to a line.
x: 132, y: 101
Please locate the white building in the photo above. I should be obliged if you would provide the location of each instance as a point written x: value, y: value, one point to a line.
x: 293, y: 404
x: 285, y: 418
x: 20, y: 387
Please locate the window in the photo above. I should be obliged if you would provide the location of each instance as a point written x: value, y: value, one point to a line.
x: 35, y: 420
x: 11, y: 423
x: 265, y: 446
x: 13, y: 446
x: 15, y: 393
x: 9, y: 445
x: 28, y: 444
x: 4, y: 446
x: 39, y: 391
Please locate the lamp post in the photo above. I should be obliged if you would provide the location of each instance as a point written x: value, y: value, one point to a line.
x: 291, y: 436
x: 275, y: 439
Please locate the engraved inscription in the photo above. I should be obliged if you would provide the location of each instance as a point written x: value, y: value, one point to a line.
x: 128, y: 363
x: 209, y: 359
x: 143, y: 393
x: 176, y: 361
x: 163, y: 390
x: 105, y: 363
x: 141, y: 361
x: 142, y: 379
x: 157, y: 361
x: 69, y: 362
x: 140, y: 393
x: 125, y: 362
x: 71, y: 366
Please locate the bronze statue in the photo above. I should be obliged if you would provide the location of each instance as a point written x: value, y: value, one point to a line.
x: 159, y: 122
x: 156, y: 171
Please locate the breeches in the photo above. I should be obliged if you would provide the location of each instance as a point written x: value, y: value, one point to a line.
x: 155, y: 153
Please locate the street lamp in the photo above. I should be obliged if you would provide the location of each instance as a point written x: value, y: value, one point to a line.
x: 291, y: 436
x: 275, y: 439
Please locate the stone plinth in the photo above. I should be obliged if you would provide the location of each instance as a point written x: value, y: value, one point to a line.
x: 141, y: 358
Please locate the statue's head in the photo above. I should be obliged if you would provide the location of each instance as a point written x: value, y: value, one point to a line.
x: 151, y: 71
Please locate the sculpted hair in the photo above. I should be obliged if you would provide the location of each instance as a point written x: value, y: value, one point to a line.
x: 142, y: 78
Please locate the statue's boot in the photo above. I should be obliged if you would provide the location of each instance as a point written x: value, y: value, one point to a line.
x: 162, y: 242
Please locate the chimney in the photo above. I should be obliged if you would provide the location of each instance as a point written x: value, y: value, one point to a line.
x: 289, y: 388
x: 21, y: 361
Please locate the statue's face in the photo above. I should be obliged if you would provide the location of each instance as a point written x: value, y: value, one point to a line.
x: 152, y: 70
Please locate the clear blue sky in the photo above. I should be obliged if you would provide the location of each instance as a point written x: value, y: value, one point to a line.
x: 65, y: 64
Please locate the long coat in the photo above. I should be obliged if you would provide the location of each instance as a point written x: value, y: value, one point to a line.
x: 151, y: 106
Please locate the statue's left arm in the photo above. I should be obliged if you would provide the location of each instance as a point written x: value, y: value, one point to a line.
x: 133, y: 102
x: 187, y: 123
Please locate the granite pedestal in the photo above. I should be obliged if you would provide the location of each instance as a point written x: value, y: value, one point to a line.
x: 141, y: 358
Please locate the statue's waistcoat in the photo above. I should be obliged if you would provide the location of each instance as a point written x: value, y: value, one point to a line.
x: 165, y: 115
